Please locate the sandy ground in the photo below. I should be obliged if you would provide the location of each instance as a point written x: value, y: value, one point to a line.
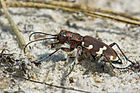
x: 86, y: 75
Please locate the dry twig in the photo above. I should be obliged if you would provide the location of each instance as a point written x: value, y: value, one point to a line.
x: 92, y: 9
x: 14, y: 27
x: 16, y: 31
x: 56, y: 86
x: 75, y: 8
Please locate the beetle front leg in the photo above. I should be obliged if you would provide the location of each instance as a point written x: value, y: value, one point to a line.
x: 75, y: 59
x: 63, y: 48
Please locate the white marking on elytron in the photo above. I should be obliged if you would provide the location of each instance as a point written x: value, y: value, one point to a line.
x: 116, y: 59
x: 101, y: 50
x: 89, y: 47
x: 83, y: 44
x: 111, y: 57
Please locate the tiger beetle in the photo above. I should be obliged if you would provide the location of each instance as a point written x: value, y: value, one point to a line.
x: 87, y: 45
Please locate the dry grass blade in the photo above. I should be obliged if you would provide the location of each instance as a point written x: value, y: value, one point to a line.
x: 92, y: 14
x: 85, y: 8
x: 29, y: 4
x: 92, y: 9
x: 16, y: 31
x: 75, y: 8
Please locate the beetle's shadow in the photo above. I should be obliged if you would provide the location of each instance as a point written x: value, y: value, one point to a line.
x: 54, y: 58
x: 92, y: 66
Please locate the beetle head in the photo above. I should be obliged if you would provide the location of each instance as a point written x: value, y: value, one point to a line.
x: 62, y: 37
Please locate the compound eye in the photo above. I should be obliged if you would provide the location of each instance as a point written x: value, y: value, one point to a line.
x: 62, y: 36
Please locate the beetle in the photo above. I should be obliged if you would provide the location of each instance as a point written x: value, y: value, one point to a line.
x: 94, y: 47
x: 88, y: 46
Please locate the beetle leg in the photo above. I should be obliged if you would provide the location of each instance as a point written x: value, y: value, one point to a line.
x: 63, y: 48
x: 77, y: 54
x: 71, y: 69
x: 47, y: 56
x: 111, y: 45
